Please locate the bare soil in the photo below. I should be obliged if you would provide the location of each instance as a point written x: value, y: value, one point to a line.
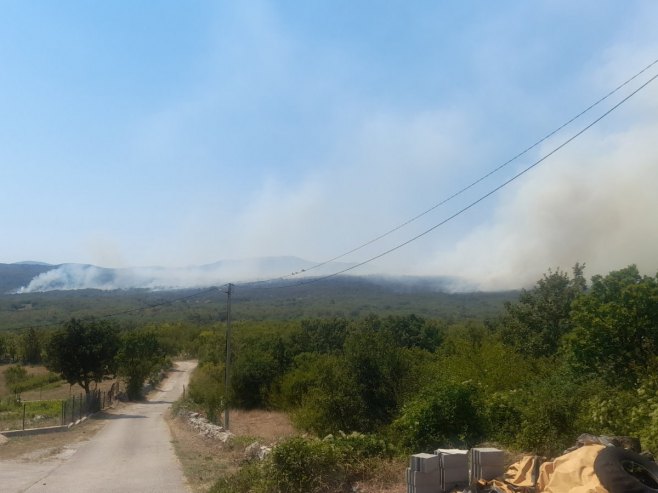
x: 265, y: 426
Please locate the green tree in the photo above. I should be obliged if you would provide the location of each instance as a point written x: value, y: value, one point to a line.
x: 84, y: 351
x: 207, y: 389
x: 444, y: 414
x: 321, y: 336
x: 139, y: 357
x: 412, y: 331
x: 31, y: 347
x: 378, y: 369
x: 616, y: 334
x: 535, y: 324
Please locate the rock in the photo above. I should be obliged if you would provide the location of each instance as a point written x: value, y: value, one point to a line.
x: 3, y: 439
x: 257, y: 451
x: 251, y: 452
x: 209, y: 430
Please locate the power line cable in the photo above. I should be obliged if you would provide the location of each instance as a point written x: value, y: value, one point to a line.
x: 470, y: 205
x: 471, y: 185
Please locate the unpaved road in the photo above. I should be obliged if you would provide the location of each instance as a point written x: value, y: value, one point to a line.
x: 131, y: 453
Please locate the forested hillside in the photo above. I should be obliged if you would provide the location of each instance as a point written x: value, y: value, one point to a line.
x: 348, y: 297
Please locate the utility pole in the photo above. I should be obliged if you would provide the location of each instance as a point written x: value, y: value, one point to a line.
x: 227, y: 369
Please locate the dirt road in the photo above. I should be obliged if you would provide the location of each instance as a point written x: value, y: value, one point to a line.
x: 132, y: 452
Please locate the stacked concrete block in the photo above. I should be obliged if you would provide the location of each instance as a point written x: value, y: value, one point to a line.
x: 422, y: 475
x: 453, y: 469
x: 487, y: 464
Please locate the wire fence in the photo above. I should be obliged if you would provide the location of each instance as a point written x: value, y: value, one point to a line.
x: 16, y: 414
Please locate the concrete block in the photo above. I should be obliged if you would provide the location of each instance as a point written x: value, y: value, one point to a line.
x: 491, y: 472
x: 454, y: 476
x: 488, y: 456
x: 451, y: 486
x: 424, y: 462
x: 418, y: 478
x: 454, y: 461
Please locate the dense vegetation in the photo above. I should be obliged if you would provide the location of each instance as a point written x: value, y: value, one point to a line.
x: 565, y: 357
x: 346, y: 297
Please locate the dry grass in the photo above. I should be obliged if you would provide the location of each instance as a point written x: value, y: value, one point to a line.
x: 387, y: 476
x: 266, y: 426
x: 206, y: 460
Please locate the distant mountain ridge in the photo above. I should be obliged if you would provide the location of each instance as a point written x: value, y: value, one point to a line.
x: 38, y: 277
x: 30, y: 277
x: 15, y: 276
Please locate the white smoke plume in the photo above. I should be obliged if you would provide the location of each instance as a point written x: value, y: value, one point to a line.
x: 596, y: 202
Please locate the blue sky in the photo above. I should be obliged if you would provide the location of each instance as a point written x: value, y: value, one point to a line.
x: 178, y: 133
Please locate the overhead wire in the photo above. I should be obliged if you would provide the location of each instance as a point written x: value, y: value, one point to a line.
x: 472, y: 184
x: 467, y: 207
x: 411, y: 220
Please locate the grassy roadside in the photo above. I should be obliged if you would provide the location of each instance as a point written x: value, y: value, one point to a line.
x: 205, y: 461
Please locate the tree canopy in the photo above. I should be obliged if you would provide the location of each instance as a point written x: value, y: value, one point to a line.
x: 84, y: 351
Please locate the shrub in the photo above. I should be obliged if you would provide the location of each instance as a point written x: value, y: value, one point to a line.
x: 445, y: 414
x: 207, y: 389
x: 14, y: 376
x: 301, y: 465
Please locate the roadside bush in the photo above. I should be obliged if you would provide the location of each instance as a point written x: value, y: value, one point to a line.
x: 250, y: 478
x: 206, y: 388
x: 551, y: 412
x: 443, y: 415
x: 301, y: 465
x: 503, y: 416
x: 333, y: 403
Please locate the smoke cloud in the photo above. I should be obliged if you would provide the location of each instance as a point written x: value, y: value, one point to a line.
x: 595, y: 203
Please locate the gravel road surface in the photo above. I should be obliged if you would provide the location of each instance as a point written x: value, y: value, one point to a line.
x: 131, y: 453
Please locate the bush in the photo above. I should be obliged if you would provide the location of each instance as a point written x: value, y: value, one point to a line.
x: 250, y: 478
x: 444, y: 415
x: 207, y: 389
x: 301, y: 465
x: 552, y: 410
x: 14, y: 376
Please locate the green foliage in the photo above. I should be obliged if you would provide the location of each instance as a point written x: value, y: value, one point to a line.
x: 207, y: 389
x: 551, y: 410
x: 250, y: 478
x: 412, y: 331
x: 332, y: 402
x: 139, y: 357
x: 251, y: 376
x: 14, y: 376
x: 301, y: 465
x: 535, y: 324
x: 378, y: 370
x: 485, y: 360
x: 320, y: 336
x: 31, y: 347
x: 84, y: 352
x: 443, y: 415
x: 616, y: 335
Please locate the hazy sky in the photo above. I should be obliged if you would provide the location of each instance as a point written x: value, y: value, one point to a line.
x: 175, y: 133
